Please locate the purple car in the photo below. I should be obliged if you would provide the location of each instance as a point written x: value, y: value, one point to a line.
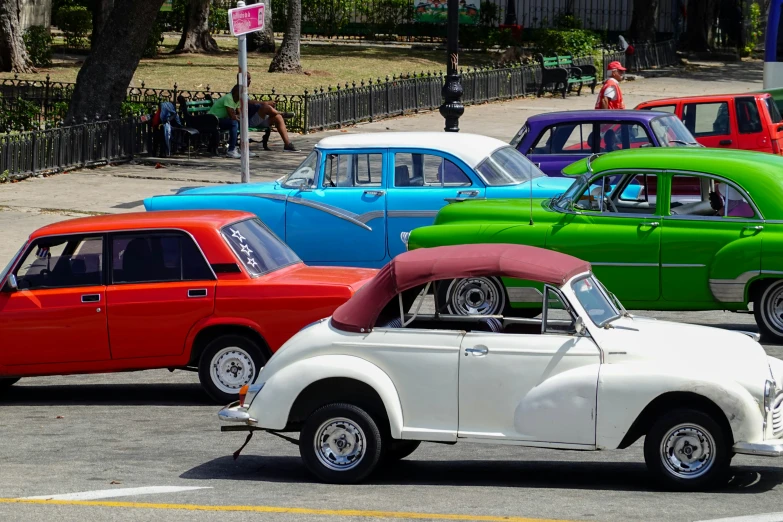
x: 554, y: 140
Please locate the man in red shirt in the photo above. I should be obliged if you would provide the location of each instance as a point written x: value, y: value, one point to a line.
x: 610, y: 96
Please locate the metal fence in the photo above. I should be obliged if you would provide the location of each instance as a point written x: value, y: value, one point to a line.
x: 88, y: 144
x: 645, y: 56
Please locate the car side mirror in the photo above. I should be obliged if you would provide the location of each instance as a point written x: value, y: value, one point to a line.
x: 579, y: 326
x: 305, y: 187
x: 11, y: 284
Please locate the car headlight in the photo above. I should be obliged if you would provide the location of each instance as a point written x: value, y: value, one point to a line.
x: 248, y: 392
x: 770, y: 391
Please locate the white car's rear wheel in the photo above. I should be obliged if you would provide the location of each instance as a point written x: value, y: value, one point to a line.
x: 768, y: 310
x: 687, y: 450
x: 472, y: 296
x: 340, y: 443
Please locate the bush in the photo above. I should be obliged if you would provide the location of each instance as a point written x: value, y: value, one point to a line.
x: 218, y: 20
x: 329, y: 15
x: 132, y: 108
x: 153, y: 41
x: 76, y: 23
x: 38, y: 42
x: 578, y: 42
x: 754, y: 32
x: 19, y: 115
x: 386, y: 15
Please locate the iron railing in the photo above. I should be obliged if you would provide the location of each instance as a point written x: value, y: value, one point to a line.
x: 645, y: 56
x: 52, y: 150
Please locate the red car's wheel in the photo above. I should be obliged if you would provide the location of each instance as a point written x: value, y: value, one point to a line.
x: 228, y: 363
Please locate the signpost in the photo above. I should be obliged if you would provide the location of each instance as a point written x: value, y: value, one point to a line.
x: 243, y: 20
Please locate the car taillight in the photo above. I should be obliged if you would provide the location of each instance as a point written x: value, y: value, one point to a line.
x: 243, y: 394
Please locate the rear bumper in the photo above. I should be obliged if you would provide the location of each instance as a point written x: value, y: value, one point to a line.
x: 235, y: 413
x: 768, y: 448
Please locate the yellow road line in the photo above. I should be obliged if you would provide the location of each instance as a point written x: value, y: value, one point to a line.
x: 276, y: 509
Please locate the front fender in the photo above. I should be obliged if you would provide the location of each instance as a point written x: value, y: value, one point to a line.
x: 625, y: 390
x: 272, y: 405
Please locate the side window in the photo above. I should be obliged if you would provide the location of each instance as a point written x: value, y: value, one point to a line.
x: 704, y: 196
x: 748, y: 118
x: 620, y: 193
x: 707, y: 119
x: 162, y: 257
x: 662, y: 108
x: 353, y: 170
x: 623, y: 136
x: 557, y: 315
x: 62, y: 263
x: 427, y: 170
x: 641, y: 189
x: 574, y: 138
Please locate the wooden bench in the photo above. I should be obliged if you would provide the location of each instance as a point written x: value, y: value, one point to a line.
x: 561, y: 72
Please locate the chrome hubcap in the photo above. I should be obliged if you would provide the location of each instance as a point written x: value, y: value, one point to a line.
x: 340, y: 444
x: 773, y: 308
x: 475, y: 296
x: 688, y: 451
x: 231, y: 369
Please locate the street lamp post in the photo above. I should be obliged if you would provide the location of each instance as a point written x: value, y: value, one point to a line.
x: 452, y: 107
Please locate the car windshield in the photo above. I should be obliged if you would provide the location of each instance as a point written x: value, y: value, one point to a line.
x: 563, y: 202
x: 304, y: 173
x: 671, y: 132
x: 774, y: 113
x: 258, y: 248
x: 11, y: 262
x: 507, y: 166
x: 594, y: 301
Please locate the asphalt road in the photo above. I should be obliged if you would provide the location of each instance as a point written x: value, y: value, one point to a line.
x: 77, y: 434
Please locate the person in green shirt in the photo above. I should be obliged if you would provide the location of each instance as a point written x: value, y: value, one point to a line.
x: 226, y: 108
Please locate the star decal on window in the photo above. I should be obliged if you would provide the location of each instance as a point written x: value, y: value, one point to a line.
x: 237, y: 234
x: 252, y: 262
x: 246, y: 250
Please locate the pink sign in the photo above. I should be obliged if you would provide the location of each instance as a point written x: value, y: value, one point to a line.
x: 248, y: 19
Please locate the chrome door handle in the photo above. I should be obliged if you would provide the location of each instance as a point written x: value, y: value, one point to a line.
x: 470, y: 193
x: 91, y: 298
x: 374, y: 192
x: 753, y: 227
x: 477, y: 350
x: 197, y: 292
x: 652, y: 224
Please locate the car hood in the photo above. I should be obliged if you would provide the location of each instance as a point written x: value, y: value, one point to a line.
x: 496, y: 211
x: 235, y: 188
x: 554, y: 184
x: 693, y: 349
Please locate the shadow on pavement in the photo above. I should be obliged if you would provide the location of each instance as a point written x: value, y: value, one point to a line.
x: 616, y: 476
x: 112, y: 394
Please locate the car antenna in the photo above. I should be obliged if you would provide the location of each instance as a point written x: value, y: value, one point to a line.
x: 531, y: 199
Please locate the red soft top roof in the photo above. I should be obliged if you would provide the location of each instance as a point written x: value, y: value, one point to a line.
x: 411, y: 269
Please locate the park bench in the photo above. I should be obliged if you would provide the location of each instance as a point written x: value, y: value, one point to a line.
x: 196, y: 115
x: 561, y: 72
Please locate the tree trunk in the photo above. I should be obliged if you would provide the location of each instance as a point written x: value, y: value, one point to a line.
x: 263, y: 41
x: 701, y: 19
x: 102, y: 82
x: 287, y: 58
x: 644, y: 20
x: 195, y: 35
x: 100, y: 13
x: 13, y: 53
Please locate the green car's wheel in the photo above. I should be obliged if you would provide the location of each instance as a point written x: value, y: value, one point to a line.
x: 472, y: 296
x: 768, y: 310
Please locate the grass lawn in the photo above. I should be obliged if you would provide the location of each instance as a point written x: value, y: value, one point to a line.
x: 323, y: 64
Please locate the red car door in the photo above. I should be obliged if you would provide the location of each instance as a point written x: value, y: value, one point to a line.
x: 161, y: 287
x: 57, y: 314
x: 712, y: 123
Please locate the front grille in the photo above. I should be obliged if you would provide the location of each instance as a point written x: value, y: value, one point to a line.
x: 777, y: 416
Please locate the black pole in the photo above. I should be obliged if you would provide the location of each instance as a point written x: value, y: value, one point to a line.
x: 511, y: 13
x: 452, y: 108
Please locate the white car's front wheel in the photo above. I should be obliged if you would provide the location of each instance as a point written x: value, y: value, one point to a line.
x: 687, y: 450
x: 340, y: 443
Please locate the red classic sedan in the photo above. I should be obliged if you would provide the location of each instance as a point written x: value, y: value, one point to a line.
x: 213, y: 291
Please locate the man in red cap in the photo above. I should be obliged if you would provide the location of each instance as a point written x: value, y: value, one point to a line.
x: 610, y: 96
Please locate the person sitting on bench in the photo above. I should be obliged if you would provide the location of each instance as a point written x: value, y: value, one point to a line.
x: 225, y: 109
x: 264, y: 114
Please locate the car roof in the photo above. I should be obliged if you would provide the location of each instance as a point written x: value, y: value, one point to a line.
x: 758, y: 173
x: 178, y: 219
x: 418, y: 267
x: 470, y: 148
x: 597, y: 114
x: 706, y: 98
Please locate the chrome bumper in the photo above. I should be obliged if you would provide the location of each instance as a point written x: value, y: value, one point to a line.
x: 235, y: 413
x: 768, y: 448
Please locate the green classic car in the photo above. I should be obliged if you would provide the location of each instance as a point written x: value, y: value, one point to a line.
x: 664, y: 229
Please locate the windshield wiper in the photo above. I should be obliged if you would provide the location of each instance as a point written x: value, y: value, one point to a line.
x: 684, y: 142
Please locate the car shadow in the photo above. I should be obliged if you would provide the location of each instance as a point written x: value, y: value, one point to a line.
x: 615, y: 476
x: 175, y: 394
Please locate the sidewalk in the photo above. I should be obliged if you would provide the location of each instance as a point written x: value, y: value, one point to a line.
x: 29, y: 204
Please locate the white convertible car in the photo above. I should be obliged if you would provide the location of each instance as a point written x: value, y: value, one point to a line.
x: 370, y: 383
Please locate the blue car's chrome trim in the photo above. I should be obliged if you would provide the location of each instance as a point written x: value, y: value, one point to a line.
x: 412, y: 213
x: 357, y: 219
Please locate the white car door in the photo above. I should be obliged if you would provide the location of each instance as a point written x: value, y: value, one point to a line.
x: 529, y: 387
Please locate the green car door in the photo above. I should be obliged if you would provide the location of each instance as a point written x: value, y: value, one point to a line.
x: 615, y: 224
x: 711, y: 242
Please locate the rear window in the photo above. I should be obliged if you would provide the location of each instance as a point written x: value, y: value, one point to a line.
x: 258, y: 248
x: 774, y: 113
x: 748, y: 118
x: 661, y: 108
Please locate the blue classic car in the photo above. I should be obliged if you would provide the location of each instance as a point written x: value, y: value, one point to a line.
x: 356, y: 196
x: 554, y: 140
